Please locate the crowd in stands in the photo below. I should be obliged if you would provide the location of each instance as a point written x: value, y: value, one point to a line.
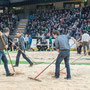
x: 43, y: 21
x: 8, y: 19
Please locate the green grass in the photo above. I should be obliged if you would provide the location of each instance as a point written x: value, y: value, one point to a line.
x: 24, y: 62
x: 10, y: 52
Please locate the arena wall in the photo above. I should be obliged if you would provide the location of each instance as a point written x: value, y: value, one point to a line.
x: 34, y: 41
x: 58, y: 5
x: 89, y: 2
x: 28, y: 8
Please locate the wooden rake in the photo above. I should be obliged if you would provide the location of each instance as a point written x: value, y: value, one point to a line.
x: 16, y: 73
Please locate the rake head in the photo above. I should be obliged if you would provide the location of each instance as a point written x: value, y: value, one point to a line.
x: 19, y: 73
x: 34, y: 79
x: 62, y: 72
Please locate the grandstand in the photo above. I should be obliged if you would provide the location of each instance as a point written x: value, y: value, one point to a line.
x: 20, y: 6
x: 41, y: 17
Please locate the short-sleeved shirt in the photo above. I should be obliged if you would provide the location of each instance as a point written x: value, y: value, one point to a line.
x: 85, y: 37
x: 62, y: 42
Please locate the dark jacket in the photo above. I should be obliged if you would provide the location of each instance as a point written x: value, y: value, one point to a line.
x: 2, y: 47
x: 21, y: 43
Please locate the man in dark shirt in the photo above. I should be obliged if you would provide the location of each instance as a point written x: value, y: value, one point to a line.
x: 30, y: 41
x: 63, y: 48
x: 3, y: 38
x: 21, y: 45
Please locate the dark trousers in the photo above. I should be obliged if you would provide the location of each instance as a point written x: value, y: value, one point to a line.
x: 39, y: 47
x: 79, y: 49
x: 44, y: 48
x: 5, y: 61
x: 26, y: 45
x: 85, y: 44
x: 24, y: 56
x: 29, y: 46
x: 63, y: 55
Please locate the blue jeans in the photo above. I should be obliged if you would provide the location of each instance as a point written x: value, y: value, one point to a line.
x: 63, y: 55
x: 24, y: 56
x: 5, y: 61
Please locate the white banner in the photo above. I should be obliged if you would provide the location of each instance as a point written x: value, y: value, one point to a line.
x: 34, y: 41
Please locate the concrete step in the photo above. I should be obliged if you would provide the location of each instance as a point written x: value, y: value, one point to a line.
x: 22, y: 26
x: 21, y: 31
x: 23, y: 22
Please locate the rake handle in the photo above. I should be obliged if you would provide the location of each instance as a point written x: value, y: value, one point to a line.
x: 21, y: 50
x: 74, y: 43
x: 49, y: 66
x: 8, y: 55
x: 44, y: 70
x: 11, y: 62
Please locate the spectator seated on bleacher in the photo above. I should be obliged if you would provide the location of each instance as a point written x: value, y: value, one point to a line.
x: 42, y: 45
x: 44, y: 21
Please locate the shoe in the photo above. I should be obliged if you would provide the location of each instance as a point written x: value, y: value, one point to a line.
x: 55, y: 77
x: 10, y: 74
x: 15, y: 66
x: 31, y: 64
x: 68, y: 78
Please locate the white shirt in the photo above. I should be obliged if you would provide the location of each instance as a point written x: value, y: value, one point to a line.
x: 85, y: 37
x: 26, y: 39
x: 38, y: 43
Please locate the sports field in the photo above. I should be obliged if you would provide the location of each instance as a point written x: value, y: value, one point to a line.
x: 80, y: 71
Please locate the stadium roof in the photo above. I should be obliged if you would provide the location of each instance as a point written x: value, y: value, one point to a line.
x: 25, y: 2
x: 4, y: 2
x: 36, y: 1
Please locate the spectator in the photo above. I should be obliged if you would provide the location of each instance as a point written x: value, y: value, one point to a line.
x: 39, y: 45
x: 79, y: 47
x: 50, y: 41
x: 85, y: 40
x: 30, y: 41
x: 64, y: 20
x: 8, y: 19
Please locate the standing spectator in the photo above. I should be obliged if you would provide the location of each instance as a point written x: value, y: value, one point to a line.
x: 50, y: 41
x: 79, y: 47
x: 30, y: 41
x: 85, y: 40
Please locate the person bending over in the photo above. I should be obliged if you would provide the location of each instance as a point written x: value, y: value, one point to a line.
x: 63, y: 48
x: 4, y: 39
